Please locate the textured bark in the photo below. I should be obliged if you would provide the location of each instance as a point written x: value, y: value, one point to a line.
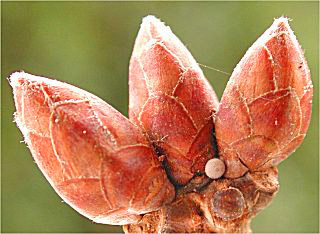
x: 225, y: 205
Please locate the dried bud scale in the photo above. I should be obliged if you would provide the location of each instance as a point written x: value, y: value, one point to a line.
x: 162, y: 172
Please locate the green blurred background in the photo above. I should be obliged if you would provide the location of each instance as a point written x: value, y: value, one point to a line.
x: 88, y: 44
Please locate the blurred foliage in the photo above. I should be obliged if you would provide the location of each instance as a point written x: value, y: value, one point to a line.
x: 88, y: 44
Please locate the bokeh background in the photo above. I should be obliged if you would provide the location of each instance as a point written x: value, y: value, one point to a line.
x: 88, y: 44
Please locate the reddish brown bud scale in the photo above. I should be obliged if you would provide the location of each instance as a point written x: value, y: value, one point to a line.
x: 110, y: 171
x: 266, y: 108
x: 95, y: 159
x: 171, y: 100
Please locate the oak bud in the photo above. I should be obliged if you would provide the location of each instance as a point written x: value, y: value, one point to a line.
x: 266, y: 107
x: 171, y: 100
x: 96, y: 160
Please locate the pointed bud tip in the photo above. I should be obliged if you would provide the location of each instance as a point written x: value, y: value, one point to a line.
x: 156, y: 28
x: 19, y: 78
x: 150, y: 19
x: 281, y: 23
x: 152, y: 30
x: 280, y: 26
x: 15, y: 78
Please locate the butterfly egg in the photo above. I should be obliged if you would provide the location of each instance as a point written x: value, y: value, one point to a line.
x: 215, y: 168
